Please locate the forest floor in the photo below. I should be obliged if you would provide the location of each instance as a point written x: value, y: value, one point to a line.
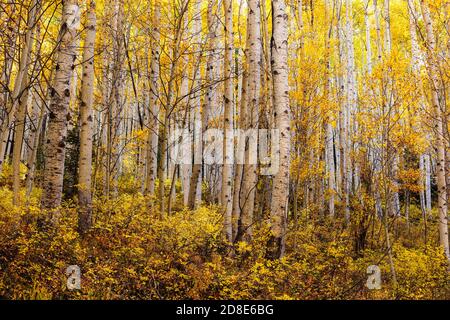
x: 132, y: 253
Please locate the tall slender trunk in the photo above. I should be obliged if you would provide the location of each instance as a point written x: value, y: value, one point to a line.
x: 34, y: 142
x: 329, y: 137
x: 55, y: 150
x: 236, y: 211
x: 152, y: 138
x: 249, y: 177
x: 282, y: 116
x: 85, y: 158
x: 433, y: 72
x: 228, y: 120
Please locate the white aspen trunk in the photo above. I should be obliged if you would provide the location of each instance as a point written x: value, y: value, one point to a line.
x: 329, y: 137
x: 236, y: 212
x: 352, y: 98
x: 59, y: 107
x: 212, y: 103
x: 422, y: 185
x: 18, y: 139
x: 86, y: 101
x: 344, y: 113
x: 428, y: 182
x: 433, y: 72
x: 249, y: 178
x: 393, y: 170
x: 377, y: 150
x: 186, y: 168
x: 153, y: 129
x: 378, y: 30
x: 194, y: 197
x: 387, y: 27
x: 282, y: 116
x: 228, y: 120
x: 34, y: 142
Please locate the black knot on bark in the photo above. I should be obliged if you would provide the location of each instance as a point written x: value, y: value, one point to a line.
x: 67, y: 92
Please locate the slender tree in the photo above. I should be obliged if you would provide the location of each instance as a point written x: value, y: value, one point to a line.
x: 227, y: 202
x: 433, y: 72
x: 59, y: 107
x: 86, y: 101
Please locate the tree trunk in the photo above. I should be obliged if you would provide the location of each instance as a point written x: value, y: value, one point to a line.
x: 249, y: 177
x: 59, y: 107
x: 282, y: 116
x: 433, y: 72
x: 85, y: 158
x: 152, y: 138
x: 228, y: 120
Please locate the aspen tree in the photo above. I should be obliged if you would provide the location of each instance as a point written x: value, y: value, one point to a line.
x: 59, y: 107
x: 329, y: 139
x: 86, y: 101
x: 249, y: 177
x: 228, y: 119
x: 282, y: 116
x: 433, y: 73
x: 199, y: 117
x: 152, y: 138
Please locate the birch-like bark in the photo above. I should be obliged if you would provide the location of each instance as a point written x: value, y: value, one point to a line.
x: 59, y: 107
x: 282, y: 116
x: 152, y: 138
x: 34, y: 142
x: 378, y: 30
x: 228, y: 120
x: 236, y: 212
x: 352, y: 98
x: 329, y: 137
x: 433, y: 72
x: 86, y: 101
x: 199, y: 115
x: 249, y: 178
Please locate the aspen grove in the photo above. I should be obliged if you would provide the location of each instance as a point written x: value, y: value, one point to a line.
x: 225, y: 149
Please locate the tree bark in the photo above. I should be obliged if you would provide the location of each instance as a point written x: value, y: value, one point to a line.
x: 86, y: 101
x: 152, y: 138
x: 228, y: 120
x: 249, y: 177
x: 433, y: 72
x: 59, y: 107
x: 282, y: 116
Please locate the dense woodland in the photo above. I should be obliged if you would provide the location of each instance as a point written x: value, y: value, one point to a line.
x: 349, y: 100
